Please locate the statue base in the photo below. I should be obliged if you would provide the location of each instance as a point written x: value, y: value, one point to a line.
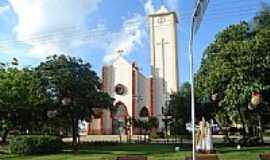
x: 204, y: 157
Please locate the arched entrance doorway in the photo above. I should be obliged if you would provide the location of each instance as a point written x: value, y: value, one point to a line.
x: 144, y: 112
x: 119, y: 118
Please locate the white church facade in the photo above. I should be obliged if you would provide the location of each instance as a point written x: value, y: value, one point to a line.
x: 137, y: 96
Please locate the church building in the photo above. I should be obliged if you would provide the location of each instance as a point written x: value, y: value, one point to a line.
x: 137, y: 96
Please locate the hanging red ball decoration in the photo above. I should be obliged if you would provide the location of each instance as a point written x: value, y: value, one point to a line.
x: 256, y: 98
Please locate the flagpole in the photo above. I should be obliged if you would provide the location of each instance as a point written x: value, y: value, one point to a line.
x: 197, y: 16
x: 192, y: 88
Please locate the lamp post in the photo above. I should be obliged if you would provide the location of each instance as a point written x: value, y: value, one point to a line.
x: 197, y: 16
x: 128, y: 126
x: 166, y: 117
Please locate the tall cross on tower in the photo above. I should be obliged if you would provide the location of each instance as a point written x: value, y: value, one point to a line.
x: 164, y: 59
x: 163, y: 43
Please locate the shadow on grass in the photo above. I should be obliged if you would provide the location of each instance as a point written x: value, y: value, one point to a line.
x: 245, y: 149
x: 8, y: 156
x: 128, y: 149
x: 3, y: 152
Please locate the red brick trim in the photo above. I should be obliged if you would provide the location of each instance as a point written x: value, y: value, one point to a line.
x: 111, y: 123
x: 152, y: 107
x: 104, y: 78
x: 125, y: 116
x: 120, y: 103
x: 101, y: 124
x: 134, y: 70
x: 95, y: 131
x: 89, y: 131
x: 107, y: 131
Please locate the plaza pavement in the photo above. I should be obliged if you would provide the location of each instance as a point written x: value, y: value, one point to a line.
x: 134, y: 138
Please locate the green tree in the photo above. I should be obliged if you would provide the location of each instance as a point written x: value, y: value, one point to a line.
x: 180, y: 105
x: 235, y: 65
x: 19, y: 98
x: 262, y: 19
x: 74, y: 88
x: 180, y: 109
x: 146, y: 125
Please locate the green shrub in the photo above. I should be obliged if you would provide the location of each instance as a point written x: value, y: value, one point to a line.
x: 35, y: 144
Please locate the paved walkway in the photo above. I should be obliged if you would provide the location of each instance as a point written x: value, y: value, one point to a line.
x: 124, y: 138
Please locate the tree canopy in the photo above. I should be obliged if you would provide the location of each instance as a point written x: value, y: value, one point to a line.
x: 237, y: 64
x: 20, y: 98
x: 60, y: 92
x: 74, y: 87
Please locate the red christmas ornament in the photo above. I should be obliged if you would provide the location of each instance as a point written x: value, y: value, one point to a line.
x: 256, y: 98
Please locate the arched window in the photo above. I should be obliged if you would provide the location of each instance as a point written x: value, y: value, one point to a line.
x: 120, y: 110
x: 144, y: 112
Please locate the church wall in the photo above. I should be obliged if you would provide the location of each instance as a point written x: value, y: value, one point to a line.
x: 143, y: 93
x: 154, y: 67
x: 107, y: 122
x: 108, y: 79
x: 157, y: 64
x: 164, y: 60
x: 94, y: 127
x: 123, y: 75
x: 119, y: 72
x: 152, y: 96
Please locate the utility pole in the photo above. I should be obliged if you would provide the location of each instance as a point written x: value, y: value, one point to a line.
x: 199, y: 10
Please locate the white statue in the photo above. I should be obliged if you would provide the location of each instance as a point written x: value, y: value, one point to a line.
x: 204, y: 138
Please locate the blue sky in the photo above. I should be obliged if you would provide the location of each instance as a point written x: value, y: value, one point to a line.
x: 94, y: 30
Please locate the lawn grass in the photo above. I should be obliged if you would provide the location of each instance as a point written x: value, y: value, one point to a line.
x: 154, y: 152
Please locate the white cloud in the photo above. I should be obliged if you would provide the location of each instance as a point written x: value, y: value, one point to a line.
x: 131, y: 35
x: 128, y: 38
x: 50, y: 25
x: 4, y: 9
x: 149, y: 7
x: 172, y: 4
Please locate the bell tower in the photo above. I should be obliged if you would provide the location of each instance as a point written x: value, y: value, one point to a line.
x: 164, y: 59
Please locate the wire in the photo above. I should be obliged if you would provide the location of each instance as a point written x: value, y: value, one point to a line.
x: 229, y: 15
x: 227, y: 3
x: 213, y: 8
x: 91, y: 34
x: 78, y: 28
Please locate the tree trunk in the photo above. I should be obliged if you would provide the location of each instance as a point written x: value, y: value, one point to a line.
x: 260, y: 129
x: 244, y: 126
x: 227, y: 136
x: 75, y: 134
x: 4, y: 137
x: 145, y: 134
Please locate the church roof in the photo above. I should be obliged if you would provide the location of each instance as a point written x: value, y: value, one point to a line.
x: 121, y: 59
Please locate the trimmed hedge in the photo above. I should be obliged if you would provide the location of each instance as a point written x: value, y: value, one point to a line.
x: 35, y: 144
